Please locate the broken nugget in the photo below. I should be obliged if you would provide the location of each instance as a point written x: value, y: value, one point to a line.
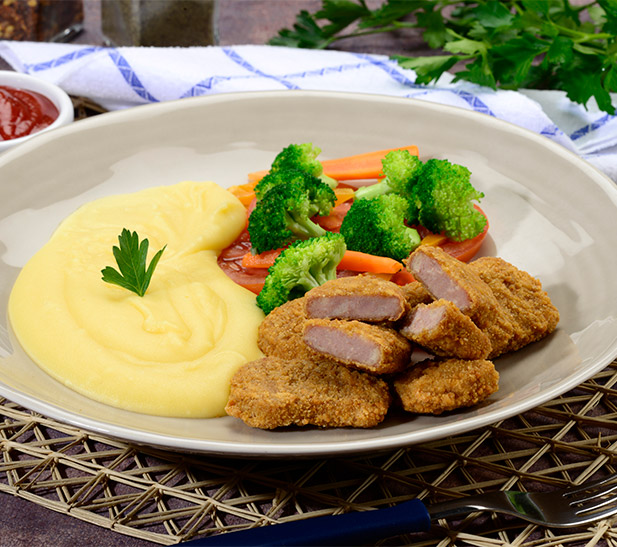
x: 444, y: 330
x: 367, y: 347
x: 447, y: 277
x: 362, y: 298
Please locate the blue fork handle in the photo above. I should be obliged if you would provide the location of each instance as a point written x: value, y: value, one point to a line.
x: 355, y: 528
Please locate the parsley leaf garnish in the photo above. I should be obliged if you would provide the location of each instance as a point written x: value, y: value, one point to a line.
x: 131, y: 260
x: 510, y: 44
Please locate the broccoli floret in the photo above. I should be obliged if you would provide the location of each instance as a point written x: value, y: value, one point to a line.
x: 272, y: 179
x: 300, y: 267
x: 443, y: 195
x: 377, y: 226
x: 400, y: 169
x: 296, y: 177
x: 302, y: 157
x: 284, y: 213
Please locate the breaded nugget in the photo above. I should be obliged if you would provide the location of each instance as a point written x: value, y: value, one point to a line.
x: 434, y: 387
x: 362, y: 297
x: 447, y: 277
x: 444, y: 330
x: 372, y: 348
x: 272, y: 392
x: 527, y: 305
x: 281, y: 332
x: 415, y: 293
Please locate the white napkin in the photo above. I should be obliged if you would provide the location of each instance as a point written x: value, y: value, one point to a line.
x: 123, y: 77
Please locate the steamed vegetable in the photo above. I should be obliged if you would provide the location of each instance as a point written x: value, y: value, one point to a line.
x: 400, y: 169
x: 377, y: 226
x: 444, y: 195
x: 283, y: 213
x: 302, y: 157
x: 300, y: 267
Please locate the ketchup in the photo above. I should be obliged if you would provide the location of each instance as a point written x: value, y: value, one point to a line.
x: 23, y: 112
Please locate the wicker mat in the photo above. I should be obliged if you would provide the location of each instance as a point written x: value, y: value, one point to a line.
x: 167, y: 497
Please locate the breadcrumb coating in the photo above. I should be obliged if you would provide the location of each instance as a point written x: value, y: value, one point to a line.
x: 281, y: 332
x: 434, y: 387
x: 415, y: 293
x: 521, y: 296
x: 271, y: 392
x: 444, y: 330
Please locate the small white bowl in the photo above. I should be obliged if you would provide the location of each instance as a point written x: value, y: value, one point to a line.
x: 56, y: 95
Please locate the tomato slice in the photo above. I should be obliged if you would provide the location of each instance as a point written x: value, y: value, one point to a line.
x: 333, y: 221
x: 230, y: 261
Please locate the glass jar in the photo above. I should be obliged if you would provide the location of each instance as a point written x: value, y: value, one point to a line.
x: 159, y: 22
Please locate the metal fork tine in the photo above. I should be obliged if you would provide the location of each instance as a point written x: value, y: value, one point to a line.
x: 590, y: 514
x: 589, y: 485
x: 588, y: 496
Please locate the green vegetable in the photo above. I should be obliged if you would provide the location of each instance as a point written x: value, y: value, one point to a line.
x: 302, y: 157
x: 283, y: 214
x: 542, y: 44
x: 443, y: 195
x: 300, y: 267
x: 377, y: 226
x: 131, y: 260
x: 400, y: 169
x: 286, y: 175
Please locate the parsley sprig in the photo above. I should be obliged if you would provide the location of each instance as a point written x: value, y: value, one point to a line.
x: 131, y: 260
x: 540, y: 44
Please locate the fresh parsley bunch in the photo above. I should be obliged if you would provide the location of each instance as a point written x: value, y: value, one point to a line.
x: 541, y: 44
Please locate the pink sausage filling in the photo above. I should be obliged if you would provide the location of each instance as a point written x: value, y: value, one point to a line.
x: 438, y: 282
x: 342, y: 345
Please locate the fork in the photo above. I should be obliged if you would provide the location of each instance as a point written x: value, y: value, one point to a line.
x: 570, y: 507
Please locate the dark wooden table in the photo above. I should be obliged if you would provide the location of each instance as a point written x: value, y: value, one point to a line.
x: 24, y: 523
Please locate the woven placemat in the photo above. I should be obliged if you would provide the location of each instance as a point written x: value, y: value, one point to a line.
x: 168, y: 497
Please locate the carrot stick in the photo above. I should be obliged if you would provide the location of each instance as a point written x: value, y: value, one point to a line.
x: 364, y: 262
x: 434, y: 240
x: 244, y: 192
x: 343, y: 194
x: 261, y: 260
x: 352, y: 260
x: 358, y: 167
x: 256, y: 176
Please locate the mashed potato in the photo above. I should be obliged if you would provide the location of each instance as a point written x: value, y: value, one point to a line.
x: 169, y: 353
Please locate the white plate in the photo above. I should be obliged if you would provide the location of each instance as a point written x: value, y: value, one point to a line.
x: 551, y: 214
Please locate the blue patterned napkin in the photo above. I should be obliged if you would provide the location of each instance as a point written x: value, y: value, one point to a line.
x: 123, y: 77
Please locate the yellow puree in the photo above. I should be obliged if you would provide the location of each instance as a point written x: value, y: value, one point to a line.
x: 169, y: 353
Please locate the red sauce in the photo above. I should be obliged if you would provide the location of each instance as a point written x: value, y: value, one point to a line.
x: 23, y: 112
